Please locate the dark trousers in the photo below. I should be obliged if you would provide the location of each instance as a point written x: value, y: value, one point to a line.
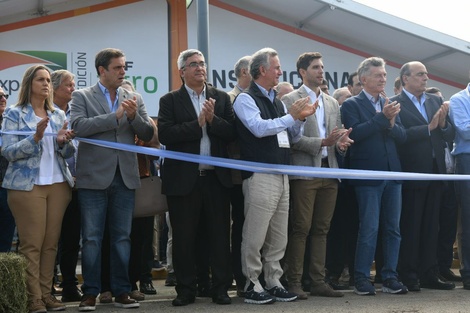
x: 211, y: 201
x: 238, y: 217
x: 69, y: 244
x: 447, y: 227
x: 203, y: 279
x: 342, y: 237
x: 379, y: 256
x: 141, y: 258
x: 419, y: 227
x: 7, y: 223
x: 105, y: 261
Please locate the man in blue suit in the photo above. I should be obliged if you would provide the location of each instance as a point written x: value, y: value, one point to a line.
x: 376, y: 132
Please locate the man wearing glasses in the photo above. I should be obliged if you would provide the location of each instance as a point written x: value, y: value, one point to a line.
x: 197, y: 119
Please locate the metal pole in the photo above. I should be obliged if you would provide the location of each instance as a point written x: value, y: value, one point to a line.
x: 203, y: 30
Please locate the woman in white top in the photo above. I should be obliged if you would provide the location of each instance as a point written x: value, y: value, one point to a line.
x: 38, y: 180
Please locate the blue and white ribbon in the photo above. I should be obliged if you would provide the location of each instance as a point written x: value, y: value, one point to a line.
x: 306, y: 171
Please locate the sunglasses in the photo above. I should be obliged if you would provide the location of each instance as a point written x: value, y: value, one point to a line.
x: 4, y: 96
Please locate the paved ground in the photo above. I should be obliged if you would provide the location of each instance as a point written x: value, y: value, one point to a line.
x: 425, y: 301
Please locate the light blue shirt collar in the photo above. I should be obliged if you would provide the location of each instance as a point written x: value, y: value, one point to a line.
x: 377, y: 103
x: 269, y: 94
x: 112, y: 106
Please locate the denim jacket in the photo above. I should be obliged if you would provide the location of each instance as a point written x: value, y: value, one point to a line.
x: 23, y: 153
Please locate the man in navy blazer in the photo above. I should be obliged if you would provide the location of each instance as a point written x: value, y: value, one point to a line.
x: 424, y: 118
x: 376, y: 131
x: 197, y: 119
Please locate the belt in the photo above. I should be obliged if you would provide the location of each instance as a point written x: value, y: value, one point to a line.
x: 203, y: 173
x: 324, y: 162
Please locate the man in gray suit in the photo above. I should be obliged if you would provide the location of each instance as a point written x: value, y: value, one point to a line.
x: 313, y: 198
x: 107, y: 178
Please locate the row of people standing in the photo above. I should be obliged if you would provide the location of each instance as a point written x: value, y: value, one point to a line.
x: 266, y: 129
x: 39, y: 181
x: 199, y: 119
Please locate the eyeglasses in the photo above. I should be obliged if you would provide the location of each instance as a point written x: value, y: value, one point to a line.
x: 4, y: 96
x: 196, y: 64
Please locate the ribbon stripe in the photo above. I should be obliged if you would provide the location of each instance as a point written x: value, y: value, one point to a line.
x: 317, y: 172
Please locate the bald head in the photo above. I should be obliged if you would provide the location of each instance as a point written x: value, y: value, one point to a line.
x: 414, y: 77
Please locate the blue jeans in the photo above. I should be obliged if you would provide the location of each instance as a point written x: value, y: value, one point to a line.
x: 378, y: 204
x: 7, y: 223
x: 116, y: 204
x: 462, y: 193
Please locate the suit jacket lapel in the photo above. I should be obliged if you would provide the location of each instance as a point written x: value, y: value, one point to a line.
x: 366, y: 103
x: 407, y: 104
x: 303, y: 93
x: 211, y: 93
x: 313, y: 118
x: 330, y: 118
x: 185, y: 100
x: 99, y: 96
x: 428, y: 106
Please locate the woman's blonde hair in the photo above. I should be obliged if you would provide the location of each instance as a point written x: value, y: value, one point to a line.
x: 26, y: 85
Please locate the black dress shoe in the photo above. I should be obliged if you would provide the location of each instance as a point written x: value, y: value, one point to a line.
x: 412, y: 285
x: 148, y: 289
x: 336, y: 285
x: 170, y: 279
x: 436, y: 283
x: 466, y: 283
x: 182, y: 301
x: 71, y: 294
x: 449, y: 275
x: 203, y: 292
x: 222, y: 298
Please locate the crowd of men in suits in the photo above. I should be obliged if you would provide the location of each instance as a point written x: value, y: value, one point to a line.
x: 281, y: 247
x: 281, y: 237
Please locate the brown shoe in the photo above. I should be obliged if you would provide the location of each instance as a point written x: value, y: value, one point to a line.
x: 36, y: 306
x: 123, y: 301
x: 106, y: 297
x: 324, y: 290
x: 137, y: 295
x: 52, y: 303
x: 88, y: 303
x: 297, y: 289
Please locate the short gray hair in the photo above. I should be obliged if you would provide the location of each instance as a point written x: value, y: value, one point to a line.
x: 365, y: 66
x: 186, y: 54
x: 261, y: 58
x: 242, y: 63
x: 338, y: 93
x: 281, y: 84
x: 405, y: 70
x: 58, y: 76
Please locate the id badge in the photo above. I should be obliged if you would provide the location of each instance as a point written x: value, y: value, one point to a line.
x: 283, y: 139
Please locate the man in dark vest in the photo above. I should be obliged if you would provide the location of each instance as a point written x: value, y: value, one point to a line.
x: 266, y: 129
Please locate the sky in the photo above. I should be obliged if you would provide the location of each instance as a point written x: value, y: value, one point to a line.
x: 450, y: 17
